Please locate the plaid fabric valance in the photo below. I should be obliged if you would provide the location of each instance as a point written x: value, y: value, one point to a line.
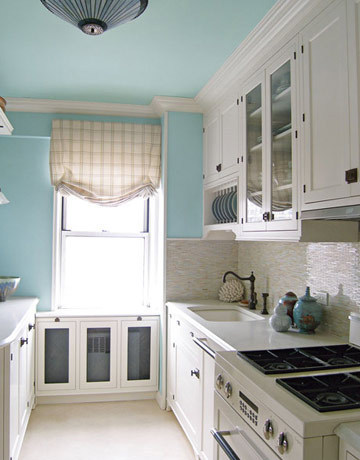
x: 105, y: 163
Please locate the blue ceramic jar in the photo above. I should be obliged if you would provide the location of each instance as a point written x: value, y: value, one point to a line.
x: 307, y: 313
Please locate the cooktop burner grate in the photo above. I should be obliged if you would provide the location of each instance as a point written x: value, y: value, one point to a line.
x: 328, y: 392
x: 290, y: 360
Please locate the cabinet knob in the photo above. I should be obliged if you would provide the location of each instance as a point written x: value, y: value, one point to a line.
x: 218, y: 167
x: 31, y: 326
x: 195, y: 372
x: 23, y: 341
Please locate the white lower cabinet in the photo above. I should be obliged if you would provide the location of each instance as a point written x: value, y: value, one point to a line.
x: 16, y: 389
x: 190, y: 377
x: 347, y: 452
x: 96, y: 355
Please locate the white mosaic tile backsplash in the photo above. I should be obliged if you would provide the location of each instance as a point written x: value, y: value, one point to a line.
x: 195, y: 269
x: 331, y: 268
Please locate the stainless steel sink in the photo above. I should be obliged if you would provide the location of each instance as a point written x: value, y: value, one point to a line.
x: 231, y: 313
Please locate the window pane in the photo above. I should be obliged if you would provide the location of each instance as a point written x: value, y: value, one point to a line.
x: 125, y: 218
x: 101, y: 272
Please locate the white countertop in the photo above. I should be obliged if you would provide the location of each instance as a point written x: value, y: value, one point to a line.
x: 13, y: 313
x: 249, y: 335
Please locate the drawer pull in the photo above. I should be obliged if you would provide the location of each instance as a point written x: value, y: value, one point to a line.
x: 195, y: 372
x: 23, y: 341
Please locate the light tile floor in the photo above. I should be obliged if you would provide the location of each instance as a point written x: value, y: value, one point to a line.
x: 126, y: 430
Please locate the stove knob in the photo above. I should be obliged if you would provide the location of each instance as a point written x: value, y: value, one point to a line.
x: 283, y: 444
x: 219, y: 381
x: 268, y: 429
x: 228, y: 389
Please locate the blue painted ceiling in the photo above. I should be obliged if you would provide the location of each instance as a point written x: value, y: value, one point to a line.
x: 173, y: 49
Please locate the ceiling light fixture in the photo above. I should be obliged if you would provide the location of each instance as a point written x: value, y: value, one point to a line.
x: 3, y: 199
x: 93, y: 17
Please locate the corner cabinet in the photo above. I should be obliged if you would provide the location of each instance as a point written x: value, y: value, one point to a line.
x: 97, y: 355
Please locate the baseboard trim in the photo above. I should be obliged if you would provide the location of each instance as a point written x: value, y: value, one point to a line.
x: 89, y: 398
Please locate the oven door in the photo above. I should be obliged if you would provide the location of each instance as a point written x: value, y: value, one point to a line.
x: 235, y: 439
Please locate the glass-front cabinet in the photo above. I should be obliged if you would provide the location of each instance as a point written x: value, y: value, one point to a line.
x: 98, y: 354
x: 139, y: 356
x: 269, y: 144
x: 56, y: 361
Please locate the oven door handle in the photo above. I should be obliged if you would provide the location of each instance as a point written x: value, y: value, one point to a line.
x: 200, y: 343
x: 219, y: 438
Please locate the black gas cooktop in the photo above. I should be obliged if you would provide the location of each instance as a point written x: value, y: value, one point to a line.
x: 326, y: 392
x: 290, y: 360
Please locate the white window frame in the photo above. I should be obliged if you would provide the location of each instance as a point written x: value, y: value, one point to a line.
x: 59, y: 237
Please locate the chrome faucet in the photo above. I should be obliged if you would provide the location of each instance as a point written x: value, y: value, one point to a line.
x: 253, y: 295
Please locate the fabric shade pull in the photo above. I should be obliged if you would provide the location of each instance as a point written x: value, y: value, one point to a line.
x: 105, y: 163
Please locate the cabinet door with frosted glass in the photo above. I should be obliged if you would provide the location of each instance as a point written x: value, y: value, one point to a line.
x: 254, y: 179
x: 281, y: 138
x: 56, y: 355
x: 98, y: 354
x: 139, y: 353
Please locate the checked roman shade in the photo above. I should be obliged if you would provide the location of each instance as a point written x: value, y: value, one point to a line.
x: 105, y: 163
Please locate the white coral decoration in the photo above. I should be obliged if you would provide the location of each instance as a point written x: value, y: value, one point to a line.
x: 231, y: 291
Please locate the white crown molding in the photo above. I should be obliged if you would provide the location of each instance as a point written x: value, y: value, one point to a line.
x: 78, y: 107
x: 162, y: 104
x: 284, y: 20
x: 159, y: 105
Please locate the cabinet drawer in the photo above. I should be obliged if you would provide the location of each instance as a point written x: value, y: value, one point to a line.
x: 185, y: 332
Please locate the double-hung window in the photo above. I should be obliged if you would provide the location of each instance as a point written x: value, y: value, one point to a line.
x: 104, y: 253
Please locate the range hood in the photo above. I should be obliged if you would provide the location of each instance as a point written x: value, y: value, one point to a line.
x: 339, y: 213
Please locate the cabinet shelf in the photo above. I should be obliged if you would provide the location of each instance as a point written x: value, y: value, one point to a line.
x: 277, y: 137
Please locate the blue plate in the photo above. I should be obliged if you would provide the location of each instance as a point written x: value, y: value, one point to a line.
x: 214, y: 208
x: 227, y: 207
x: 233, y: 204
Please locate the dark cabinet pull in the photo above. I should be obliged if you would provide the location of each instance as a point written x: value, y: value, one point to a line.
x: 218, y: 167
x: 351, y: 175
x: 31, y: 326
x: 23, y: 341
x: 195, y: 372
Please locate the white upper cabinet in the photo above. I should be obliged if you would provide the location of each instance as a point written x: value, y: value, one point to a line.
x: 270, y: 138
x: 221, y: 139
x: 326, y: 111
x: 212, y: 158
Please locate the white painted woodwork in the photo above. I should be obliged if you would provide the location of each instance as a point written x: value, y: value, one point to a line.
x: 211, y: 146
x: 78, y: 388
x: 14, y: 399
x: 188, y: 390
x: 348, y: 452
x: 326, y: 106
x: 5, y: 125
x: 257, y: 80
x: 42, y: 327
x: 207, y: 440
x: 230, y: 133
x: 152, y: 382
x: 23, y: 375
x: 83, y: 361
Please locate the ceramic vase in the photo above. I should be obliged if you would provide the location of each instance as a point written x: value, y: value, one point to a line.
x: 307, y: 313
x: 280, y: 321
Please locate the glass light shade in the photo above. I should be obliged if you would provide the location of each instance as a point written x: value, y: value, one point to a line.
x: 3, y: 199
x: 93, y: 17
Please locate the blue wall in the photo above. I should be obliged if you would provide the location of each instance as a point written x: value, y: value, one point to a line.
x: 26, y: 222
x: 184, y: 179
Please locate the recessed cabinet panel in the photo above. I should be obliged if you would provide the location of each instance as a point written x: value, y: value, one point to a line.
x: 139, y: 353
x: 229, y: 115
x: 98, y: 354
x: 211, y: 146
x: 326, y: 111
x: 56, y: 355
